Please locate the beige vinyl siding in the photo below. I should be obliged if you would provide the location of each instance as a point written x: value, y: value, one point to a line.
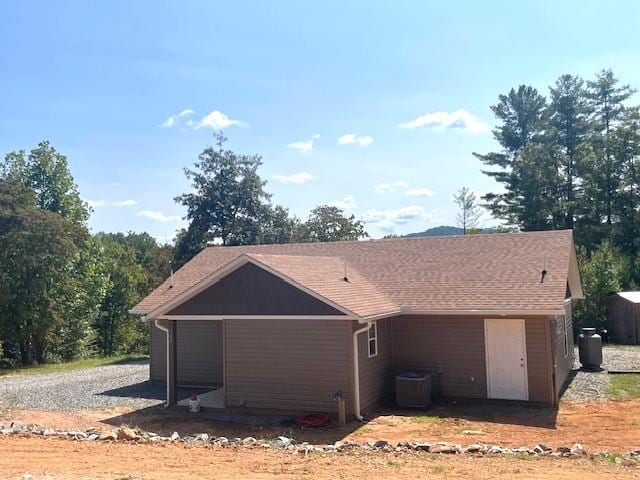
x: 376, y: 376
x: 157, y: 354
x: 562, y: 363
x: 453, y: 346
x: 289, y: 365
x: 539, y: 360
x: 452, y: 350
x: 200, y: 353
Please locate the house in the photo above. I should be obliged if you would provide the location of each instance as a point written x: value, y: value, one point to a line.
x: 281, y: 328
x: 623, y: 317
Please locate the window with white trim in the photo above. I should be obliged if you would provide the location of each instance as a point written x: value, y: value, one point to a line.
x: 563, y: 319
x: 372, y: 335
x: 568, y: 329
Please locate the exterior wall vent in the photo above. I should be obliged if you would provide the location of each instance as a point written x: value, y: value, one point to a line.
x: 413, y: 390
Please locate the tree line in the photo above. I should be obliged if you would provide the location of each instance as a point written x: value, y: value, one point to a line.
x: 567, y: 159
x: 65, y: 292
x: 571, y: 159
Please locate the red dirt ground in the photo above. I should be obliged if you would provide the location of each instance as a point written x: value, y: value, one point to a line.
x: 35, y: 457
x: 604, y: 425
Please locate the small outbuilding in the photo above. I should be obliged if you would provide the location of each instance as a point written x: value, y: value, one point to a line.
x: 623, y: 317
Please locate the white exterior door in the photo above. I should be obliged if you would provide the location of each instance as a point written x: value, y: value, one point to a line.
x: 506, y: 355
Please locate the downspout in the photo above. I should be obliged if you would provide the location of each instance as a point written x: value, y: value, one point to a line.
x: 166, y: 331
x: 356, y: 372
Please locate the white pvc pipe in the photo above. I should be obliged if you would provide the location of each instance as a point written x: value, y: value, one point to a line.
x: 356, y: 372
x: 166, y: 331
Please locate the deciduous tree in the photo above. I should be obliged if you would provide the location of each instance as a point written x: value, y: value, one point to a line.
x: 330, y: 224
x: 603, y: 273
x: 116, y: 330
x: 468, y: 212
x: 45, y: 171
x: 36, y: 249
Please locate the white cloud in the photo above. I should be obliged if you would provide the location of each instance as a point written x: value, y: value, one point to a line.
x: 347, y: 203
x: 124, y: 203
x: 158, y: 216
x: 304, y: 147
x: 388, y: 219
x: 386, y: 187
x: 389, y: 187
x: 96, y: 203
x: 299, y: 178
x: 218, y: 121
x: 104, y: 203
x: 440, y: 121
x: 420, y: 192
x: 169, y: 122
x: 173, y: 120
x: 354, y: 139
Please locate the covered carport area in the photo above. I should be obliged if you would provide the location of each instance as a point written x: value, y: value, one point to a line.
x: 195, y: 349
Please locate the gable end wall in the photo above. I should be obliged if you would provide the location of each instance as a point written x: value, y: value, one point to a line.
x: 250, y: 290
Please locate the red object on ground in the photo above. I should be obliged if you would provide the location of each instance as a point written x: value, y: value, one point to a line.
x: 313, y: 420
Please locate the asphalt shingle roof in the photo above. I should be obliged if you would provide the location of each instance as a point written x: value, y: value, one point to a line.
x: 501, y: 271
x: 326, y: 277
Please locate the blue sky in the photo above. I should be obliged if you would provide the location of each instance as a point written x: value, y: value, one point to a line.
x: 373, y: 106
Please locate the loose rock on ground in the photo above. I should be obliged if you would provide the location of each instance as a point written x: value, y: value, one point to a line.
x: 127, y: 434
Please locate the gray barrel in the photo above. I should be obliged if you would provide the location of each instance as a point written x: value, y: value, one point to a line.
x: 590, y: 349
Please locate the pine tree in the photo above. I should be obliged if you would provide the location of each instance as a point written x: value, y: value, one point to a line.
x: 606, y: 103
x: 568, y: 130
x: 524, y: 175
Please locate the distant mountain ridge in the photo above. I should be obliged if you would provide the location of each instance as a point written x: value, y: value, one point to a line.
x: 445, y: 230
x: 442, y: 230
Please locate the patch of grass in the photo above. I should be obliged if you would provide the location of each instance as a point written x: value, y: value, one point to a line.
x: 607, y: 457
x: 611, y: 458
x: 427, y: 419
x: 73, y: 365
x: 363, y: 430
x: 438, y: 469
x: 620, y: 346
x: 523, y: 456
x: 624, y: 386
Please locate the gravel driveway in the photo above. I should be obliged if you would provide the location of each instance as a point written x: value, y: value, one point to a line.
x: 92, y: 388
x: 128, y: 385
x: 587, y: 386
